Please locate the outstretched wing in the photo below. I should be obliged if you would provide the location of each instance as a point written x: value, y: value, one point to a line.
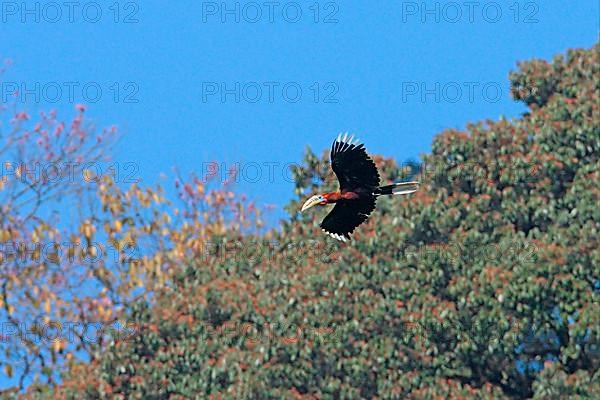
x: 352, y: 166
x: 346, y: 216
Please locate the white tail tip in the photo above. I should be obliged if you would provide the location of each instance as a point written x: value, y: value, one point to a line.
x: 405, y: 188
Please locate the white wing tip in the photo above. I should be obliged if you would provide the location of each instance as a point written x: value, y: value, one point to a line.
x: 339, y: 237
x: 343, y: 138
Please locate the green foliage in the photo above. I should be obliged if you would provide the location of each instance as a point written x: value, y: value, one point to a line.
x: 484, y: 284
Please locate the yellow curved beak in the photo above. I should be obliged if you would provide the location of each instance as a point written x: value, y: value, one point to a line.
x: 311, y: 202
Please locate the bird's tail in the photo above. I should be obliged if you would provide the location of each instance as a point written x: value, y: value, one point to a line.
x: 398, y: 189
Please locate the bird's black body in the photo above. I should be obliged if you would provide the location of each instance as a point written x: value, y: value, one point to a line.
x: 359, y: 188
x: 357, y: 174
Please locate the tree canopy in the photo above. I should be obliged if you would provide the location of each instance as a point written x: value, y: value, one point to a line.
x: 483, y: 284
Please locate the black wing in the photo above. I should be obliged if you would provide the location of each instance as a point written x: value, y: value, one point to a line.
x: 346, y: 216
x: 352, y: 166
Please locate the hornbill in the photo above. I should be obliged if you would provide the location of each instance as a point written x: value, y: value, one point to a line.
x: 359, y: 188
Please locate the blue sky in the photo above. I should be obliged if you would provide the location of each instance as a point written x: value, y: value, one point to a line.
x: 360, y: 66
x: 369, y: 62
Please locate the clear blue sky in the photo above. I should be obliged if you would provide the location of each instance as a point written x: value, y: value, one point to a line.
x: 371, y: 58
x: 374, y: 62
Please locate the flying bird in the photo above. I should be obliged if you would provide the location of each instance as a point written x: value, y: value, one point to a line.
x: 359, y: 188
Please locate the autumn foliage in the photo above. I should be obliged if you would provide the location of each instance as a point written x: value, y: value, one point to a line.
x: 484, y: 284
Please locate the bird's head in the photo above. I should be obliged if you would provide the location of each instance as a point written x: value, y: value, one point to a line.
x: 316, y: 199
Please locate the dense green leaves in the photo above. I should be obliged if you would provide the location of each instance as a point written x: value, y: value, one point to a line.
x: 484, y: 284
